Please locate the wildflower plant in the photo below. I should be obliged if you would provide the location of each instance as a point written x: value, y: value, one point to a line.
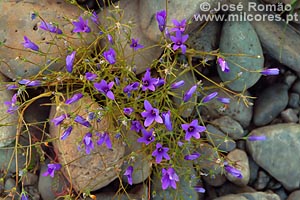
x: 140, y: 103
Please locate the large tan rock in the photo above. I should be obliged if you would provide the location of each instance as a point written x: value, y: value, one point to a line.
x: 97, y: 169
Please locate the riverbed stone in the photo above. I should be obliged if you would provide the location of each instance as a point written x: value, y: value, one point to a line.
x: 240, y: 40
x: 87, y: 171
x: 15, y: 27
x: 282, y: 142
x: 252, y: 196
x: 229, y: 126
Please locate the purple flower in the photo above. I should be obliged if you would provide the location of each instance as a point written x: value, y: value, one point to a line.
x: 233, y: 171
x: 58, y: 120
x: 223, y: 100
x: 193, y: 129
x: 110, y: 39
x: 166, y: 116
x: 192, y: 156
x: 177, y: 84
x: 270, y: 71
x: 135, y: 44
x: 147, y: 138
x: 133, y: 86
x: 127, y: 111
x: 169, y: 178
x: 148, y: 81
x: 150, y: 114
x: 161, y: 19
x: 136, y: 126
x: 30, y: 83
x: 179, y: 26
x: 81, y: 26
x: 209, y: 97
x: 189, y: 93
x: 88, y: 143
x: 24, y: 196
x: 66, y: 133
x: 117, y: 81
x: 167, y: 33
x: 82, y: 121
x: 30, y: 45
x: 180, y: 144
x: 160, y: 82
x: 90, y: 76
x: 94, y: 18
x: 256, y: 138
x: 160, y: 152
x: 223, y: 65
x: 11, y: 87
x: 104, y: 137
x: 74, y: 98
x: 49, y: 27
x: 105, y: 88
x: 128, y: 173
x: 199, y: 189
x: 179, y: 41
x: 110, y: 56
x: 69, y: 61
x: 51, y: 169
x: 12, y: 105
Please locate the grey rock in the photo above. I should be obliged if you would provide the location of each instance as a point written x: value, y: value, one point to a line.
x: 279, y: 39
x: 282, y: 142
x: 296, y: 87
x: 252, y: 196
x: 289, y: 115
x: 218, y: 139
x: 13, y: 64
x: 240, y: 158
x: 294, y: 100
x: 8, y: 121
x: 274, y: 185
x: 294, y: 195
x: 289, y: 78
x: 266, y: 108
x: 231, y: 188
x: 281, y: 193
x: 10, y: 188
x: 230, y: 127
x: 30, y: 179
x: 33, y: 192
x: 239, y: 38
x: 253, y: 170
x: 262, y: 180
x: 215, y: 180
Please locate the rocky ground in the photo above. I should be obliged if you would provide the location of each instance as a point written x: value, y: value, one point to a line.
x: 270, y: 168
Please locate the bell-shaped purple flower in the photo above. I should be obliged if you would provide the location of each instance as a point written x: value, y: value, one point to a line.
x: 233, y: 171
x: 69, y: 61
x: 90, y: 76
x: 150, y: 114
x: 270, y: 72
x: 147, y: 138
x: 128, y: 111
x: 160, y: 152
x: 179, y: 26
x: 128, y: 173
x: 209, y: 97
x: 188, y: 95
x: 131, y: 87
x: 110, y: 39
x: 105, y: 88
x: 50, y: 27
x: 179, y: 41
x: 169, y: 178
x: 223, y: 65
x: 192, y: 156
x: 12, y: 105
x: 224, y: 100
x: 135, y: 44
x: 104, y: 138
x: 110, y: 56
x: 58, y: 120
x: 81, y: 26
x: 166, y: 116
x: 51, y: 170
x: 24, y: 196
x: 161, y: 17
x: 256, y: 138
x: 76, y: 97
x: 199, y: 189
x: 88, y: 142
x: 30, y: 45
x: 80, y: 120
x: 177, y: 84
x: 148, y: 81
x: 66, y: 133
x: 30, y: 83
x: 95, y: 18
x: 136, y: 126
x: 192, y: 130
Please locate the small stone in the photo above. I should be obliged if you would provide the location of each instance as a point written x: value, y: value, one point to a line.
x: 289, y: 116
x: 230, y: 127
x: 218, y: 139
x: 30, y: 179
x: 294, y: 100
x: 294, y: 195
x: 240, y: 159
x: 296, y: 87
x: 289, y: 78
x: 215, y: 180
x: 266, y: 108
x: 10, y: 188
x: 252, y: 196
x: 262, y: 180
